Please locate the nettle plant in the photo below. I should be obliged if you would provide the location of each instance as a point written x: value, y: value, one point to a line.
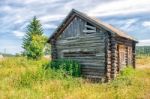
x: 67, y: 66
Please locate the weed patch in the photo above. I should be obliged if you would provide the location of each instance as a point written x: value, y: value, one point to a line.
x: 66, y: 66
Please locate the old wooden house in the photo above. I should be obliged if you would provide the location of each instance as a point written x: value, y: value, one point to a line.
x: 101, y: 49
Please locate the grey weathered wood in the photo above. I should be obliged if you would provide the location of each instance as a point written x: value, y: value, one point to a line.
x: 113, y: 58
x: 108, y: 57
x: 74, y: 39
x: 89, y: 31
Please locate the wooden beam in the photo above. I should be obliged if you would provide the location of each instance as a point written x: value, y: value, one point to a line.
x: 91, y: 27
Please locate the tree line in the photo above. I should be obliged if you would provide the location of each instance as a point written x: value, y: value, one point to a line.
x: 143, y: 50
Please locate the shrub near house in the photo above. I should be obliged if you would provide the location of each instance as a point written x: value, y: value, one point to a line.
x: 69, y: 67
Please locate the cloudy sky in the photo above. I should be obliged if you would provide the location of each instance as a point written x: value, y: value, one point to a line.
x: 131, y: 16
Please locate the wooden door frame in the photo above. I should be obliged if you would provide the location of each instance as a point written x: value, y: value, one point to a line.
x: 118, y: 50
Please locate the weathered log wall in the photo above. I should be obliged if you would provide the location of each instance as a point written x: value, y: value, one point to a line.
x: 87, y: 47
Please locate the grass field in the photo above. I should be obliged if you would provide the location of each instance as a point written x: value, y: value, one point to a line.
x: 143, y: 62
x: 21, y: 78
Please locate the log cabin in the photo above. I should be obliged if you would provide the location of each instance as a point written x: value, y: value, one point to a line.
x: 101, y: 49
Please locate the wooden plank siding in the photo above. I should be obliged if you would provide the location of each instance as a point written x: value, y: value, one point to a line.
x: 76, y: 44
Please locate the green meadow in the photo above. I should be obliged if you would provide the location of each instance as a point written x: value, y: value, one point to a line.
x: 27, y: 79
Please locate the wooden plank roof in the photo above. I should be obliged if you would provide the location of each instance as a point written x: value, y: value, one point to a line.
x: 94, y: 21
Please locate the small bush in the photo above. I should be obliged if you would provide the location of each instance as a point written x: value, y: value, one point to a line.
x: 70, y: 67
x: 127, y: 72
x: 125, y: 78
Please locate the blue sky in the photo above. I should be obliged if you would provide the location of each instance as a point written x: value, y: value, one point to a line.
x: 131, y: 16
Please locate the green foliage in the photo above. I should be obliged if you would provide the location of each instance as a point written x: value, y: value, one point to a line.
x: 34, y: 41
x: 35, y: 50
x: 125, y: 78
x: 29, y: 78
x: 128, y: 72
x: 70, y: 67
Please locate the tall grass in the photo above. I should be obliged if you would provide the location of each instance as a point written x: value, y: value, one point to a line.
x: 143, y: 60
x: 69, y: 67
x: 22, y: 78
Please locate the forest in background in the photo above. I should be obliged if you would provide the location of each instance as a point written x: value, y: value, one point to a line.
x: 143, y: 50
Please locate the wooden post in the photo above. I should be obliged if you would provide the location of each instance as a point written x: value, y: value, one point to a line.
x: 126, y: 55
x: 134, y: 54
x: 118, y: 60
x: 108, y: 57
x: 113, y: 58
x: 53, y: 50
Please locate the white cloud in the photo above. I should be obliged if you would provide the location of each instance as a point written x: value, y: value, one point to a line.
x: 40, y: 1
x: 24, y: 26
x: 49, y: 26
x: 120, y: 7
x: 144, y: 42
x: 6, y: 8
x: 127, y: 24
x: 146, y: 24
x: 19, y: 19
x: 47, y: 18
x: 131, y: 21
x: 18, y: 34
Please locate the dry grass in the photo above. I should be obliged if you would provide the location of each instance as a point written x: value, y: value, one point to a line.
x: 25, y: 79
x: 143, y: 62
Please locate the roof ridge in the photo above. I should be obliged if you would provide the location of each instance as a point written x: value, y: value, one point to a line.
x: 98, y: 22
x: 113, y: 28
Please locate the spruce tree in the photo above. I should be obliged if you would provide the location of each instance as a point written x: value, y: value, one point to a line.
x: 34, y: 41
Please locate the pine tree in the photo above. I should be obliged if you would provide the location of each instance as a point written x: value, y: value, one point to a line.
x: 34, y: 41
